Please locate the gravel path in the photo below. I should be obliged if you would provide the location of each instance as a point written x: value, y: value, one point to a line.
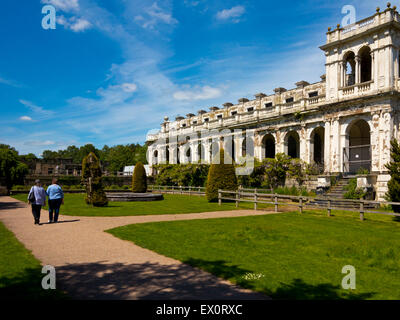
x: 93, y: 264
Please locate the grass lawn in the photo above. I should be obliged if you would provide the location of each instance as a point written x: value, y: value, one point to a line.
x: 172, y: 204
x: 288, y: 255
x: 20, y: 272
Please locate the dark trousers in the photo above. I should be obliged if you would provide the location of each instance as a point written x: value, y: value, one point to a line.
x: 36, y: 212
x: 54, y: 206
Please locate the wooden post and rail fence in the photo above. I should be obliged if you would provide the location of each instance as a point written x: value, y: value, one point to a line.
x: 265, y: 196
x: 301, y: 202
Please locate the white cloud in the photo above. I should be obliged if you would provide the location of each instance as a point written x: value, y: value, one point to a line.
x: 154, y: 15
x: 234, y: 13
x: 25, y: 118
x: 64, y: 5
x: 9, y: 82
x: 129, y: 87
x: 73, y: 23
x: 198, y: 93
x: 40, y: 143
x: 40, y: 111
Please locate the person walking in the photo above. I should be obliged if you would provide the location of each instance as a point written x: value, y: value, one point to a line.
x: 37, y: 199
x: 56, y: 199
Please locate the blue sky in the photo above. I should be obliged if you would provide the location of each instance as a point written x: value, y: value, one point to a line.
x: 112, y: 69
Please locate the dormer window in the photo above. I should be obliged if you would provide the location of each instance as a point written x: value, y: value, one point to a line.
x: 290, y: 100
x: 184, y: 125
x: 313, y: 94
x: 206, y: 120
x: 250, y: 109
x: 219, y: 116
x: 268, y: 105
x: 195, y: 122
x: 234, y: 113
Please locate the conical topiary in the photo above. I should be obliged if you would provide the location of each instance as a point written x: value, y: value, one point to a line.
x: 91, y: 178
x: 393, y: 193
x: 220, y: 176
x: 139, y: 179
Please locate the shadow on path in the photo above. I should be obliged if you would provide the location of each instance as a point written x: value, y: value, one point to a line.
x: 151, y: 281
x: 12, y: 205
x: 63, y: 221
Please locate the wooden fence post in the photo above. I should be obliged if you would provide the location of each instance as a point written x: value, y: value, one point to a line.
x: 276, y: 202
x: 237, y: 198
x: 329, y: 207
x: 301, y: 205
x: 190, y: 190
x: 361, y: 210
x: 255, y: 201
x: 219, y: 197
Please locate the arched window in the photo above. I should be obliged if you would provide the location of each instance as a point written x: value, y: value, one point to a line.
x: 350, y: 69
x: 366, y: 64
x: 214, y: 152
x: 358, y: 154
x: 292, y: 144
x: 244, y: 147
x: 268, y: 144
x: 317, y: 145
x: 155, y: 157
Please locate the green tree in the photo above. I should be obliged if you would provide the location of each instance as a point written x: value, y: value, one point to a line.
x: 393, y: 193
x: 222, y: 176
x: 139, y: 179
x: 276, y: 170
x: 48, y: 155
x: 92, y: 179
x: 296, y: 171
x: 12, y: 170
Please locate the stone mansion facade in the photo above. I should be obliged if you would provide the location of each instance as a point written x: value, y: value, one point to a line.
x: 343, y: 123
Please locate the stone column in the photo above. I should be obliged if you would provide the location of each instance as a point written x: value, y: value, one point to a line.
x: 303, y: 152
x: 327, y: 146
x: 335, y: 146
x: 358, y: 70
x: 375, y: 141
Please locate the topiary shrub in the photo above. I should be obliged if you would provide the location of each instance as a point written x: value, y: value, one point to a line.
x: 139, y: 179
x: 91, y: 178
x: 393, y: 194
x: 220, y: 176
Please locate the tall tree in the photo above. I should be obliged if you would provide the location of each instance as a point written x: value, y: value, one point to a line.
x: 393, y: 193
x: 12, y: 170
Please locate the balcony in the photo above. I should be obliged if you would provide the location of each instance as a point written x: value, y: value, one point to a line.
x: 356, y: 89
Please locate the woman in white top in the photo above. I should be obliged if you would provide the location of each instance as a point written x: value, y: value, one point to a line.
x: 39, y: 200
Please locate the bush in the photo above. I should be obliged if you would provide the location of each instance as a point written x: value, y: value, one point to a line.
x: 293, y: 191
x: 353, y: 192
x: 362, y: 171
x: 393, y: 193
x: 20, y: 188
x: 190, y: 175
x: 91, y: 178
x: 296, y: 171
x: 255, y: 179
x: 275, y: 171
x: 139, y: 179
x: 220, y: 176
